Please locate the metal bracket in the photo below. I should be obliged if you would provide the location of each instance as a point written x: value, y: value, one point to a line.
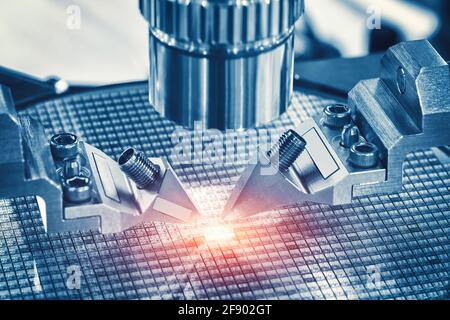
x: 357, y: 150
x: 405, y: 110
x: 79, y: 187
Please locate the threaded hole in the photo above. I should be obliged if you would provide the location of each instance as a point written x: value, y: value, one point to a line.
x: 126, y: 156
x: 78, y: 182
x: 364, y: 148
x: 337, y: 109
x: 65, y: 139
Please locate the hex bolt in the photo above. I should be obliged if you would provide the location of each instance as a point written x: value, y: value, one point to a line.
x: 138, y: 167
x: 77, y: 189
x: 363, y: 155
x: 64, y: 146
x: 336, y: 115
x: 71, y: 169
x: 349, y: 135
x: 287, y: 150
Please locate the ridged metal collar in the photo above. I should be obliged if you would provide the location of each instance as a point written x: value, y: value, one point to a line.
x: 234, y: 25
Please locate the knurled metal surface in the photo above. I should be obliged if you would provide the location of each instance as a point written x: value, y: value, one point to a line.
x: 386, y: 246
x: 232, y: 23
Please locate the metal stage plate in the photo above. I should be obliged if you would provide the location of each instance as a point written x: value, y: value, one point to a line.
x: 380, y: 247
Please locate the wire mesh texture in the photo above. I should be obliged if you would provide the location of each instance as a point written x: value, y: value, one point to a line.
x: 394, y: 246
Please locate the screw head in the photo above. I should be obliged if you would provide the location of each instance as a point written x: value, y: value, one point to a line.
x: 363, y: 155
x: 64, y: 146
x: 336, y: 115
x: 77, y: 189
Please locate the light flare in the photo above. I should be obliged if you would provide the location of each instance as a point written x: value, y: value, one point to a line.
x: 218, y: 233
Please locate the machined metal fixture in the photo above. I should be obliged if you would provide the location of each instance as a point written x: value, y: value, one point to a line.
x: 359, y: 150
x: 228, y: 64
x: 79, y: 187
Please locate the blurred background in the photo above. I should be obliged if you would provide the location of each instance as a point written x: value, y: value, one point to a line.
x: 105, y: 41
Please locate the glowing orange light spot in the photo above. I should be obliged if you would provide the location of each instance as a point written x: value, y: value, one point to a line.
x: 218, y: 233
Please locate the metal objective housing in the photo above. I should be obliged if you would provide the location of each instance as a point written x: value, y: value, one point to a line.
x: 226, y: 63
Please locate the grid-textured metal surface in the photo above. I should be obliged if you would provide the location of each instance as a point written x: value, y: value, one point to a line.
x: 307, y: 251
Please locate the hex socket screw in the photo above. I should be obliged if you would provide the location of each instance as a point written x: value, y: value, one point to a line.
x: 336, y: 115
x: 138, y: 168
x: 364, y: 155
x: 77, y: 189
x: 64, y: 146
x: 287, y: 150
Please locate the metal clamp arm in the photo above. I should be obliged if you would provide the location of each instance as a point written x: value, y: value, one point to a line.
x: 359, y: 149
x: 79, y: 187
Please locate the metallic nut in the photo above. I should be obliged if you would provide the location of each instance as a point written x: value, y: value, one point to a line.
x: 364, y: 155
x: 336, y: 115
x: 349, y: 135
x: 64, y: 146
x: 77, y: 189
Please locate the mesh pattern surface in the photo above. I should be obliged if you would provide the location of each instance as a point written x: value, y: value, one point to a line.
x: 386, y: 246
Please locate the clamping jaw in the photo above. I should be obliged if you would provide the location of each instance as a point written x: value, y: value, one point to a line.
x: 79, y: 187
x: 359, y: 149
